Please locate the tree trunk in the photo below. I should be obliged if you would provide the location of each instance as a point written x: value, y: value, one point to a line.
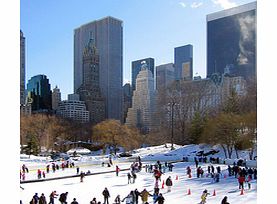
x: 224, y: 149
x: 237, y: 153
x: 230, y: 151
x: 251, y: 152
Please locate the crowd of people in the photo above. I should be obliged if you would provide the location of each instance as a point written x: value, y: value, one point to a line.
x: 243, y: 174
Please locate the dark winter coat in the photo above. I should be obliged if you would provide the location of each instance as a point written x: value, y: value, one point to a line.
x: 42, y: 200
x: 160, y: 199
x: 106, y: 193
x: 224, y: 200
x: 168, y: 182
x: 63, y: 197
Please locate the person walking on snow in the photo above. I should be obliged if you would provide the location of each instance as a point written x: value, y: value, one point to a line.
x: 129, y: 198
x: 241, y: 181
x: 117, y: 200
x: 144, y: 196
x: 129, y: 178
x: 82, y: 175
x: 224, y: 200
x: 35, y: 199
x: 52, y: 196
x: 160, y: 199
x: 117, y: 169
x: 106, y: 195
x: 204, y: 196
x: 74, y: 201
x: 63, y: 198
x: 42, y: 199
x: 168, y: 183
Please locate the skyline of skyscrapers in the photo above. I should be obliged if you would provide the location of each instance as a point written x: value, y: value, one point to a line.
x: 183, y: 62
x: 108, y: 35
x: 232, y: 49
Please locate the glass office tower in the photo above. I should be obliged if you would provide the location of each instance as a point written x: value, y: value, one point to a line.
x: 39, y: 93
x: 183, y: 59
x: 231, y: 41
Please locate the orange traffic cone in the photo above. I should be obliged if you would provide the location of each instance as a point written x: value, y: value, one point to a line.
x: 214, y: 194
x: 241, y: 192
x: 189, y: 192
x: 176, y: 177
x: 163, y: 185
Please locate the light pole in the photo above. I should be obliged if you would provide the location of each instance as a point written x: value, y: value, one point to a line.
x: 172, y: 124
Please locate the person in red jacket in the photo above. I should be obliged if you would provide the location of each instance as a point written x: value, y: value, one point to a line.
x: 241, y: 181
x: 117, y: 169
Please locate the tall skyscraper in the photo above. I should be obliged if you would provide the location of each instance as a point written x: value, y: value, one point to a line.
x: 231, y: 41
x: 136, y: 68
x: 108, y: 37
x: 39, y: 93
x: 183, y: 62
x: 164, y: 76
x: 89, y: 90
x: 142, y: 112
x: 56, y: 98
x: 22, y: 68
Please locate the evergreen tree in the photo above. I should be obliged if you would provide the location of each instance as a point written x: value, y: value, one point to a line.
x: 32, y: 147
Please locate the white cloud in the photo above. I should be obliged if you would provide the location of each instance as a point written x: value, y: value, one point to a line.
x: 225, y: 4
x: 183, y: 4
x: 196, y: 4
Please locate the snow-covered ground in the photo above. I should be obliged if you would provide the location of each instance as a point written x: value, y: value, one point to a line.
x: 93, y: 185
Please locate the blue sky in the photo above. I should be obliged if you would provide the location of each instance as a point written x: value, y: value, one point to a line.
x: 151, y: 28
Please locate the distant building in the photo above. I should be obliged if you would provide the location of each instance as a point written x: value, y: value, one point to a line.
x: 231, y: 41
x: 22, y: 68
x: 39, y: 94
x: 26, y: 109
x: 164, y: 76
x: 127, y: 99
x: 90, y: 91
x: 56, y: 98
x: 73, y: 109
x: 142, y: 112
x: 183, y: 62
x: 108, y: 38
x: 136, y: 68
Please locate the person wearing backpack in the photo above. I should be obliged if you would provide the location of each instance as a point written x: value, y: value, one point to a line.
x: 63, y: 198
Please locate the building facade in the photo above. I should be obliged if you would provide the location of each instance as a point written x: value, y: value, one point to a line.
x: 56, y: 98
x: 22, y: 68
x: 73, y: 109
x: 142, y: 112
x: 164, y: 76
x: 127, y: 99
x: 39, y: 94
x: 136, y: 68
x: 183, y: 62
x: 108, y: 37
x: 231, y: 41
x: 89, y: 90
